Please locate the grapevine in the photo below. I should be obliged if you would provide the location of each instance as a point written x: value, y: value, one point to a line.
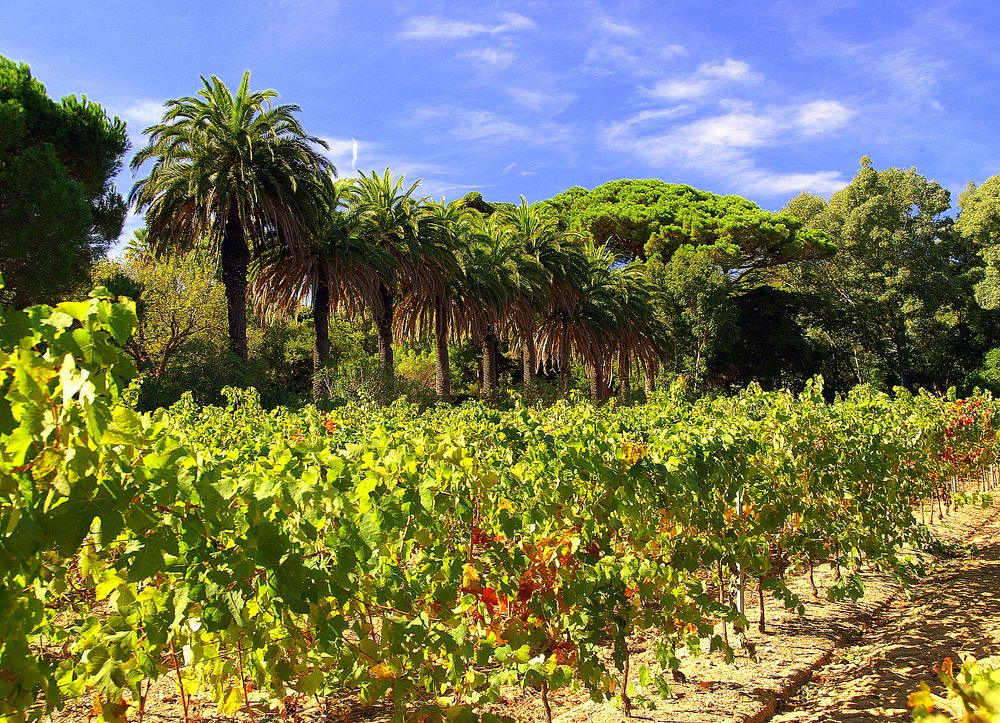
x: 424, y: 558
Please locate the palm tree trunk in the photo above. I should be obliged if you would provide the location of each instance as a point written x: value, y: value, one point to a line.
x: 595, y: 371
x: 442, y: 370
x: 530, y: 361
x: 650, y: 377
x: 235, y: 260
x: 384, y: 323
x: 624, y: 374
x: 489, y: 387
x: 321, y: 322
x: 564, y: 370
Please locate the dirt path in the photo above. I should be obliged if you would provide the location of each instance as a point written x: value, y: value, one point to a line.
x: 954, y: 612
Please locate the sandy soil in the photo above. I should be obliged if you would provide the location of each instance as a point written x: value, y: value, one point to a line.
x: 954, y: 612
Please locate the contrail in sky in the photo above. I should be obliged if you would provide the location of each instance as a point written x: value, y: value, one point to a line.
x: 354, y: 154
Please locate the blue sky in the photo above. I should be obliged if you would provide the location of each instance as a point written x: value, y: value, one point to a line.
x: 762, y: 99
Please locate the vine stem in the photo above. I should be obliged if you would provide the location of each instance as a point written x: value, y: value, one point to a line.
x: 722, y: 601
x: 626, y: 701
x: 180, y: 683
x: 142, y: 700
x: 243, y: 681
x: 545, y: 701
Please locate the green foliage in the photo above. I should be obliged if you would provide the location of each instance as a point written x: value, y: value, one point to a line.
x: 768, y: 345
x: 179, y: 300
x: 979, y: 222
x: 893, y: 305
x: 651, y: 218
x: 64, y: 444
x: 973, y: 694
x: 384, y: 552
x: 58, y: 209
x: 700, y: 304
x: 988, y: 374
x: 232, y: 170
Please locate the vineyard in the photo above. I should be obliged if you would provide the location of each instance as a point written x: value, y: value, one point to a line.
x: 427, y: 559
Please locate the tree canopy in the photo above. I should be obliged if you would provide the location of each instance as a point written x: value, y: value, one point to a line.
x: 59, y: 211
x: 651, y: 218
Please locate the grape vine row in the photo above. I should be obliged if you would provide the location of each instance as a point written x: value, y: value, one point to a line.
x: 425, y: 558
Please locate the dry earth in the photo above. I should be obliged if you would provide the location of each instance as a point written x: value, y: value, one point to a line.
x: 953, y: 613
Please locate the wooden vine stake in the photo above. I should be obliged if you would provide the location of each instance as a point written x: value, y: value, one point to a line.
x: 741, y: 573
x: 722, y: 601
x: 761, y: 621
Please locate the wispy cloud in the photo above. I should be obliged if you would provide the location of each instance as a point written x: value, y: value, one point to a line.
x: 484, y: 126
x: 435, y: 27
x: 607, y: 25
x: 490, y: 58
x: 723, y: 145
x: 542, y: 101
x: 708, y: 77
x: 351, y: 155
x: 822, y: 116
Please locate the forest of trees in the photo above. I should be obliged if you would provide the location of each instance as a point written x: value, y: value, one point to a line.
x: 258, y: 266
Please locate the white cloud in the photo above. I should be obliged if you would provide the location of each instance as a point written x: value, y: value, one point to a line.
x: 772, y: 183
x: 822, y: 116
x: 435, y: 27
x: 143, y: 112
x: 707, y: 77
x: 722, y: 145
x: 490, y: 58
x: 729, y: 69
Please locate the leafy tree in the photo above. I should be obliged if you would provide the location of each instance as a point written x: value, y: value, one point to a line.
x: 178, y: 300
x: 641, y: 333
x: 696, y: 283
x: 652, y: 218
x: 235, y: 170
x: 587, y: 325
x: 59, y: 211
x: 725, y: 242
x: 500, y: 283
x: 768, y: 344
x: 979, y: 222
x: 443, y: 228
x: 895, y: 284
x: 557, y: 253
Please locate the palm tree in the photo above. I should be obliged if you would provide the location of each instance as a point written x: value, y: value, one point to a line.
x: 442, y: 229
x: 339, y: 272
x: 501, y: 283
x: 557, y: 253
x: 389, y: 218
x: 588, y: 323
x: 640, y: 332
x: 233, y: 170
